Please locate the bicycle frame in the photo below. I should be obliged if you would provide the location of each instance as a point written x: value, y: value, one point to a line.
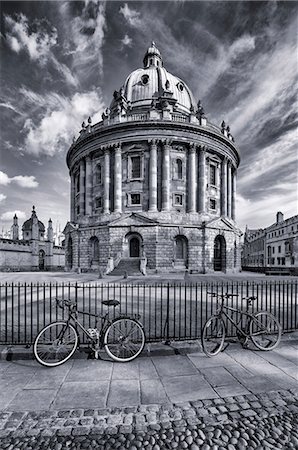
x: 72, y: 317
x: 242, y: 313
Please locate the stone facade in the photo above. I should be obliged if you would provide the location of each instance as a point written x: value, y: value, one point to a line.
x: 153, y: 180
x: 35, y: 251
x: 273, y: 249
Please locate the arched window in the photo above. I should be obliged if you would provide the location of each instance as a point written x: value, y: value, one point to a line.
x: 178, y: 169
x: 94, y: 250
x: 98, y: 174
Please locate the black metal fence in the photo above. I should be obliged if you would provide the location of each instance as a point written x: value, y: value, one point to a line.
x: 168, y: 311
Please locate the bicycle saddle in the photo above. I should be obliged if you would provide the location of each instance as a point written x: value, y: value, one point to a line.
x: 110, y: 303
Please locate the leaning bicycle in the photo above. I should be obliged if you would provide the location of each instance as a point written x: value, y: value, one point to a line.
x: 261, y: 327
x: 123, y: 338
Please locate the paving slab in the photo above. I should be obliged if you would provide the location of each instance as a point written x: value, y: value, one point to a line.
x: 32, y: 400
x: 231, y: 390
x: 78, y: 394
x: 288, y: 352
x: 218, y: 376
x: 153, y: 392
x: 126, y: 371
x: 169, y: 365
x: 187, y: 388
x: 200, y: 360
x: 44, y: 381
x: 124, y: 393
x: 245, y: 357
x: 276, y: 358
x: 90, y: 370
x: 274, y: 374
x: 258, y: 384
x: 147, y: 369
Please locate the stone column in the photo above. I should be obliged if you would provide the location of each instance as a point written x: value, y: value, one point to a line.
x: 223, y: 188
x: 165, y: 182
x: 229, y: 190
x: 202, y: 180
x: 88, y: 187
x: 106, y: 182
x: 117, y: 179
x: 192, y: 178
x: 72, y: 197
x: 234, y: 194
x: 82, y: 187
x: 153, y: 176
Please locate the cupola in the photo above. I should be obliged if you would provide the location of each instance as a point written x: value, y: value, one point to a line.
x: 152, y: 57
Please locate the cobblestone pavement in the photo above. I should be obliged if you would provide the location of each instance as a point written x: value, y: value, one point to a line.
x: 252, y: 421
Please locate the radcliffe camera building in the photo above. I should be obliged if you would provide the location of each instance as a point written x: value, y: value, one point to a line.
x: 153, y: 184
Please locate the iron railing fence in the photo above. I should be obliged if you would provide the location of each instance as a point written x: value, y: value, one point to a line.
x: 173, y: 311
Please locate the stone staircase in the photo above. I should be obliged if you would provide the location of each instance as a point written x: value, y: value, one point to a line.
x: 131, y: 266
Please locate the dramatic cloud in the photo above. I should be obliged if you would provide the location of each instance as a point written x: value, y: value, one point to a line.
x: 132, y: 16
x: 21, y: 180
x: 36, y: 39
x: 85, y: 38
x: 55, y: 130
x: 9, y: 215
x: 2, y: 197
x: 126, y: 41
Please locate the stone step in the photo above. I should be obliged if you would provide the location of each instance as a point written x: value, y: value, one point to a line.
x: 131, y: 266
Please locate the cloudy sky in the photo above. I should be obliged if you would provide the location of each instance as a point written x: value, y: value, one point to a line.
x: 61, y: 62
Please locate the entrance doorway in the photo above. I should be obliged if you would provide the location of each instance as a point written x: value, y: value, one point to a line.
x: 134, y: 247
x: 41, y: 259
x: 181, y: 251
x: 219, y: 261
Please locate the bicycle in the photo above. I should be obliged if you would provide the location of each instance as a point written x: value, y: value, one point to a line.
x: 123, y: 337
x: 261, y: 327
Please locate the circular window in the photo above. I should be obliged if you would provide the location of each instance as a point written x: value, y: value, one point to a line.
x: 145, y: 79
x: 180, y: 86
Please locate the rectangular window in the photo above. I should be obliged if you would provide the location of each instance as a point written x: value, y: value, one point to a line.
x: 135, y: 167
x: 98, y: 202
x: 272, y: 261
x: 278, y: 261
x: 283, y: 261
x: 293, y: 260
x: 78, y: 210
x: 178, y: 199
x: 135, y: 199
x: 212, y: 203
x: 273, y: 249
x: 279, y: 249
x: 212, y: 175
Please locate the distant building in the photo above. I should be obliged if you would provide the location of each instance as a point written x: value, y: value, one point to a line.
x: 36, y: 249
x: 273, y: 249
x: 153, y: 184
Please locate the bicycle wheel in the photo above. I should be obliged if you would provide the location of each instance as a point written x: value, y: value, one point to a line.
x: 265, y: 331
x: 55, y: 344
x: 124, y: 339
x: 213, y: 336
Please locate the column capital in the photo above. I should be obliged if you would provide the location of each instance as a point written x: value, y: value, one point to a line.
x: 116, y: 146
x: 166, y: 142
x: 153, y: 142
x: 192, y: 147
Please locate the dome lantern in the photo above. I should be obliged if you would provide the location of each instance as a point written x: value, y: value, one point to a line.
x: 152, y: 57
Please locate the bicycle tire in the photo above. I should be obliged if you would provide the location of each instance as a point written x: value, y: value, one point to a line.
x: 265, y: 343
x: 213, y: 336
x: 50, y: 352
x: 124, y: 339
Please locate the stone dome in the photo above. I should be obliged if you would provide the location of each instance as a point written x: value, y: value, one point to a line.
x: 144, y: 86
x: 27, y: 225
